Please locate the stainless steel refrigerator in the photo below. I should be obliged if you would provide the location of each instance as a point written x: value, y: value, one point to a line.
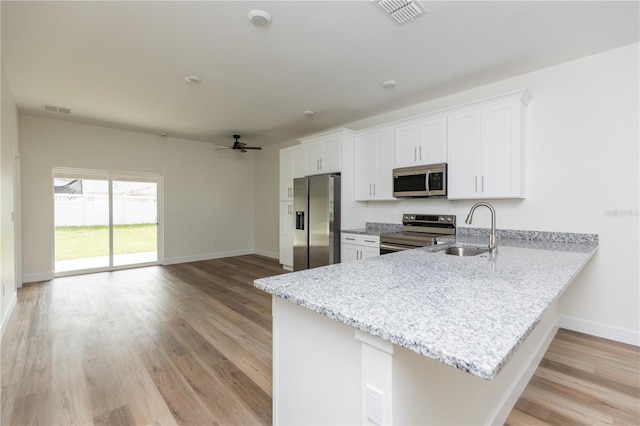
x: 316, y: 235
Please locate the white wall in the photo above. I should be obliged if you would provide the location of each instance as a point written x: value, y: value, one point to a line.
x: 8, y: 152
x: 582, y: 164
x: 208, y: 194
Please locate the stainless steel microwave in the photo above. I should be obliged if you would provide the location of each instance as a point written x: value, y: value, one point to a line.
x: 420, y: 181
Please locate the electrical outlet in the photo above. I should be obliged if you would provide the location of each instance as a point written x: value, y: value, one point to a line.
x: 375, y: 400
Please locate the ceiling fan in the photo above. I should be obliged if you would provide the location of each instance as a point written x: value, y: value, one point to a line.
x: 238, y: 146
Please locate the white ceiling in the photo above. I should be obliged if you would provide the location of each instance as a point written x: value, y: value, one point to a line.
x: 122, y: 64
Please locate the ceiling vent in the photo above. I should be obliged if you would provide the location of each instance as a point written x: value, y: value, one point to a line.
x: 400, y: 11
x: 60, y: 110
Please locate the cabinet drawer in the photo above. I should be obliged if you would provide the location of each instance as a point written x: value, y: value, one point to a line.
x: 361, y: 240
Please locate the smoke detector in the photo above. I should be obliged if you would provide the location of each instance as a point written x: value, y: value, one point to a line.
x: 400, y: 11
x: 259, y: 18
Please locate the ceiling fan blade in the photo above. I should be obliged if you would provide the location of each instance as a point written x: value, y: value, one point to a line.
x: 226, y: 146
x: 222, y: 149
x: 252, y: 147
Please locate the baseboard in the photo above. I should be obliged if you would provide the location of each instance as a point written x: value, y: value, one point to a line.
x: 34, y: 278
x: 207, y: 256
x: 265, y: 253
x: 618, y: 334
x: 7, y: 315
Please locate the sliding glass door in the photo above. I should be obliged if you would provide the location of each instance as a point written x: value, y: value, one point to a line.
x: 135, y: 222
x: 105, y: 223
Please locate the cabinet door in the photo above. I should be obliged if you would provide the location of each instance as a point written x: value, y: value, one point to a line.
x: 330, y: 161
x: 433, y: 148
x: 367, y: 252
x: 407, y: 139
x: 348, y: 253
x: 463, y: 153
x: 286, y: 174
x: 365, y: 166
x: 286, y: 233
x: 383, y: 173
x: 314, y: 158
x: 299, y: 162
x: 501, y: 150
x: 374, y: 155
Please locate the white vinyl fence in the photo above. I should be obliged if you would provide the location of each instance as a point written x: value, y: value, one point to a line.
x: 91, y: 210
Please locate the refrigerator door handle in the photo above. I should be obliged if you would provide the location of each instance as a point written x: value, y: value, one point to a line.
x: 300, y: 220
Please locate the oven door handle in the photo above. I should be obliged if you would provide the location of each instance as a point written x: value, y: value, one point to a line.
x: 394, y: 247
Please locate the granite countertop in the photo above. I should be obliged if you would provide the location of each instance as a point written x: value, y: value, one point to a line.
x: 468, y: 312
x: 375, y: 229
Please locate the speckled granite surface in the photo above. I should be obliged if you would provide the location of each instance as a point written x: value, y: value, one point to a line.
x: 468, y: 312
x: 374, y: 228
x: 511, y: 235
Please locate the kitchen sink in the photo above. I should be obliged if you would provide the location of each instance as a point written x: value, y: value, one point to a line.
x: 463, y: 251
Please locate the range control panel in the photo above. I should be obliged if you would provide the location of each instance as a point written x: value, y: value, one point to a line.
x: 428, y: 219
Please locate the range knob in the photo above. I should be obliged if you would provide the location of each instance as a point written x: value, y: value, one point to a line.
x: 448, y: 219
x: 441, y: 219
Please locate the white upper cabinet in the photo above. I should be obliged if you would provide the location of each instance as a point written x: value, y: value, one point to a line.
x: 486, y: 150
x: 299, y: 162
x: 421, y: 142
x: 322, y: 154
x: 374, y: 163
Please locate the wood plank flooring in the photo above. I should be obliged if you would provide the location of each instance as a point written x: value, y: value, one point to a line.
x: 582, y: 380
x: 183, y: 344
x: 190, y: 344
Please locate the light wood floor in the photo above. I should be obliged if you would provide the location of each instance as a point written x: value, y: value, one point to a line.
x: 184, y: 344
x: 582, y: 380
x: 191, y: 344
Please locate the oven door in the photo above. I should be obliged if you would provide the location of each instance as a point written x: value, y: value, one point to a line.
x: 386, y: 248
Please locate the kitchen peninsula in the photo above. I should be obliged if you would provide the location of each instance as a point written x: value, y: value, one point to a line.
x: 419, y: 337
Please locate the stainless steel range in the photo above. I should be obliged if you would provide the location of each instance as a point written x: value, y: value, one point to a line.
x: 418, y: 230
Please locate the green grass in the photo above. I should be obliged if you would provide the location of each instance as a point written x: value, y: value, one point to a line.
x: 77, y: 242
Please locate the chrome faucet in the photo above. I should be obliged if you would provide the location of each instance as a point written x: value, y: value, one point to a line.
x: 493, y: 245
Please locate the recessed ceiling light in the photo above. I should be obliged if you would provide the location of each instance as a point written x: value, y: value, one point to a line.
x: 389, y: 84
x: 192, y: 79
x: 309, y: 113
x: 259, y: 18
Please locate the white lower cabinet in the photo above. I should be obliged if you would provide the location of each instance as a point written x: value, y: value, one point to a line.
x: 286, y: 234
x: 358, y: 247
